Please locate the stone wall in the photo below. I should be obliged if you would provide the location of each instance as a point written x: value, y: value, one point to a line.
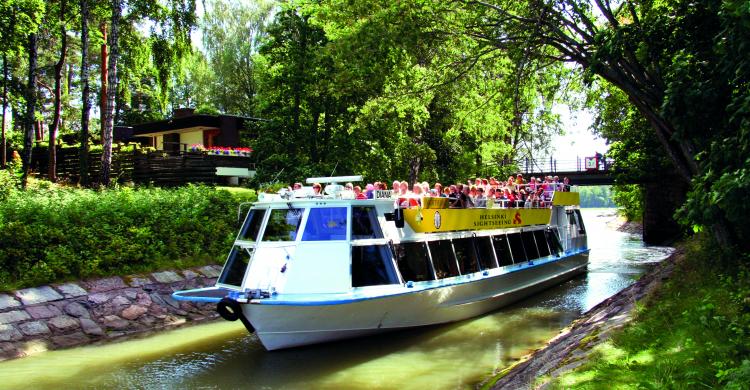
x: 59, y: 316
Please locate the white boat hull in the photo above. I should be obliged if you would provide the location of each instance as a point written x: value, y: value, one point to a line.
x: 291, y: 324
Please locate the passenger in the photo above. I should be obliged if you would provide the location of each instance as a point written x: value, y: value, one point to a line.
x: 349, y: 187
x: 511, y: 181
x: 439, y: 190
x: 425, y: 187
x: 370, y: 190
x: 396, y: 189
x: 316, y: 189
x: 566, y: 184
x: 480, y: 200
x: 556, y: 183
x: 473, y: 192
x: 519, y: 179
x: 403, y: 188
x: 297, y: 186
x: 464, y: 199
x: 453, y: 197
x: 358, y: 193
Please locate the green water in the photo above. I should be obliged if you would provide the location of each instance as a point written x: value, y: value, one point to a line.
x: 222, y: 355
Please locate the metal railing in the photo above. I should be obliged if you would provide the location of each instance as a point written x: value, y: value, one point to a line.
x: 551, y: 165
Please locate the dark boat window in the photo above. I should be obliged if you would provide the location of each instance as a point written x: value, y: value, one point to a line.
x: 283, y: 225
x: 554, y: 242
x: 235, y: 267
x: 581, y: 227
x: 529, y: 245
x: 485, y: 252
x: 325, y: 224
x: 251, y: 227
x: 541, y: 243
x: 466, y: 255
x: 516, y: 247
x: 443, y: 259
x: 412, y: 262
x: 365, y: 223
x: 502, y: 250
x: 372, y: 266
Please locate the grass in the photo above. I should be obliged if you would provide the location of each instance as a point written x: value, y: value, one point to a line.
x: 692, y: 333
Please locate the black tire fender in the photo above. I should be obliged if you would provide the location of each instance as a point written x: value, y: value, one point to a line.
x: 229, y: 309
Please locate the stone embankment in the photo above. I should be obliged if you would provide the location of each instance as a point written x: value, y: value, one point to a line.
x: 573, y: 346
x: 37, y: 319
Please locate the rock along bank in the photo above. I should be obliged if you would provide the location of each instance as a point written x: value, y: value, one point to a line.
x: 42, y: 318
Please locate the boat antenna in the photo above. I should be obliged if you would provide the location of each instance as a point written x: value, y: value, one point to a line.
x: 334, y: 169
x: 277, y: 176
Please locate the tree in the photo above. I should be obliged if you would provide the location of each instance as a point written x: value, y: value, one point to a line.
x: 680, y: 64
x: 56, y: 121
x: 83, y: 154
x: 109, y: 112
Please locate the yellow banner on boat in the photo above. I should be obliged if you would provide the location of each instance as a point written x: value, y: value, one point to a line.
x: 566, y: 199
x: 446, y: 220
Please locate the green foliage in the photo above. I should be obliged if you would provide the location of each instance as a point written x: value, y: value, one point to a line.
x: 693, y: 334
x: 60, y: 234
x: 596, y: 196
x: 629, y: 197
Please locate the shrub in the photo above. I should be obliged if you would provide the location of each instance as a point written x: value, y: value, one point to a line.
x: 51, y: 234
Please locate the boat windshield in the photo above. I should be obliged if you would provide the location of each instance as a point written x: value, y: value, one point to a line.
x: 283, y: 225
x: 325, y: 224
x: 251, y: 227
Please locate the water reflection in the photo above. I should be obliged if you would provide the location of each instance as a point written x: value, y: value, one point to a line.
x: 223, y: 355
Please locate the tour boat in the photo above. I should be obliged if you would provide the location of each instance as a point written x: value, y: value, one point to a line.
x: 308, y: 268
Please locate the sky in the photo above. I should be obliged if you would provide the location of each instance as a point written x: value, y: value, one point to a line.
x: 578, y: 140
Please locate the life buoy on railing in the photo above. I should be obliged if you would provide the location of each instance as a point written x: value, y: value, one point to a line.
x: 230, y: 310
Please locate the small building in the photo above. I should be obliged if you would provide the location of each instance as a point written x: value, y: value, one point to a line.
x: 186, y: 128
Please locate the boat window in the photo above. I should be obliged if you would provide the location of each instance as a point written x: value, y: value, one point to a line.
x: 516, y: 247
x: 365, y: 223
x: 466, y: 255
x: 529, y: 245
x: 581, y: 227
x: 502, y: 250
x: 541, y: 243
x: 372, y: 266
x: 325, y: 224
x: 235, y: 267
x: 251, y: 227
x: 443, y: 259
x: 412, y: 261
x: 485, y: 252
x: 283, y: 225
x: 554, y: 241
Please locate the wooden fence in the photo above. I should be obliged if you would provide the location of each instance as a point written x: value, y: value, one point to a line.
x: 157, y: 167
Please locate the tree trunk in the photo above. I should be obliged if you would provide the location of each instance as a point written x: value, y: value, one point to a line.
x: 111, y: 91
x: 55, y: 128
x: 3, y: 146
x: 104, y: 81
x: 83, y: 153
x: 30, y: 105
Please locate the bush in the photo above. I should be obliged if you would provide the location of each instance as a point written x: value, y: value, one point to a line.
x: 51, y: 234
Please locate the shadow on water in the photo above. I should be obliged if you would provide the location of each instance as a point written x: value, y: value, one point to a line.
x: 223, y: 355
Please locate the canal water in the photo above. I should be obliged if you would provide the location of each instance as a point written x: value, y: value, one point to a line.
x: 460, y: 355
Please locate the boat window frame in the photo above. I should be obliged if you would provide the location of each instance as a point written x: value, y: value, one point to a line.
x: 452, y: 255
x: 394, y: 267
x: 492, y: 247
x: 431, y: 269
x: 507, y: 247
x: 251, y: 254
x: 546, y: 244
x: 471, y: 247
x: 523, y: 249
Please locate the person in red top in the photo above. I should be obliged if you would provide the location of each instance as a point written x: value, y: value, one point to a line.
x: 358, y: 194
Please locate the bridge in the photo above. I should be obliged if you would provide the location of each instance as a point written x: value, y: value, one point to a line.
x: 583, y: 171
x: 660, y: 201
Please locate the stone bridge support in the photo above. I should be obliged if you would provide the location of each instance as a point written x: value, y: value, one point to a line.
x: 661, y: 200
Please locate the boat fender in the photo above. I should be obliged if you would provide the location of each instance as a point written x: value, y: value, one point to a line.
x: 230, y: 310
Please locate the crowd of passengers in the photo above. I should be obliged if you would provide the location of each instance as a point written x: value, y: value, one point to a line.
x: 483, y: 193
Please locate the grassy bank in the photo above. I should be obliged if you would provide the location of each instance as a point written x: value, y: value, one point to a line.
x: 51, y: 234
x: 693, y: 333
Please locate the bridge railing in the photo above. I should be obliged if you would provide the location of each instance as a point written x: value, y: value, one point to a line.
x: 551, y: 165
